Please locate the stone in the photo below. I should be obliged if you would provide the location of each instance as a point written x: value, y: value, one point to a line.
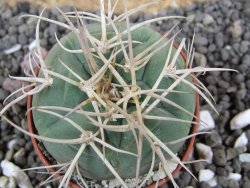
x: 242, y: 140
x: 19, y: 157
x: 3, y: 94
x: 190, y: 18
x: 198, y: 166
x: 246, y: 184
x: 7, y: 182
x: 200, y: 59
x: 204, y: 152
x: 246, y: 59
x: 11, y: 170
x: 225, y: 54
x: 208, y: 19
x: 22, y: 39
x: 244, y: 157
x: 200, y: 41
x: 240, y: 120
x: 231, y: 153
x: 212, y: 182
x: 236, y: 29
x: 4, y: 181
x: 236, y: 165
x: 219, y: 157
x: 205, y: 175
x: 221, y: 171
x: 207, y: 121
x: 213, y: 139
x: 234, y: 176
x: 13, y: 49
x: 32, y: 45
x: 244, y: 46
x: 160, y: 173
x: 114, y: 183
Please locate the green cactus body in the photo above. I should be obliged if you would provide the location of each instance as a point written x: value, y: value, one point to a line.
x: 63, y: 94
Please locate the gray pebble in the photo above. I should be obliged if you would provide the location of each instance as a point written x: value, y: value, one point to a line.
x: 244, y: 46
x: 200, y: 59
x: 12, y: 30
x: 200, y: 41
x: 241, y: 94
x: 204, y: 185
x: 208, y: 19
x: 22, y: 28
x: 213, y: 139
x: 2, y: 32
x: 22, y: 39
x: 1, y: 155
x: 226, y: 3
x: 229, y: 169
x: 198, y: 166
x: 219, y: 157
x: 221, y: 171
x: 198, y: 16
x: 185, y: 177
x: 211, y: 48
x: 233, y: 184
x: 219, y: 40
x: 224, y: 54
x: 236, y: 165
x: 231, y: 153
x: 19, y: 157
x: 6, y: 14
x: 239, y: 78
x: 202, y: 49
x: 246, y: 59
x: 246, y: 184
x: 3, y: 94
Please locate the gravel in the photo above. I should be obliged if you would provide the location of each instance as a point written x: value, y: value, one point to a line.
x: 222, y: 40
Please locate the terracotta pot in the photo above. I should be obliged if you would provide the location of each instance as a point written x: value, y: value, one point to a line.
x: 188, y: 145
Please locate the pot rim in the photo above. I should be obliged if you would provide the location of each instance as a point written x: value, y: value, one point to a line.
x: 185, y: 155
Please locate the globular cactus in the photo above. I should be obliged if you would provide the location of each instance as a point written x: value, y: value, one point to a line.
x: 113, y: 99
x: 110, y: 91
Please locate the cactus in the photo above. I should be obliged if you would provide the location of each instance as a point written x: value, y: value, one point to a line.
x: 113, y: 99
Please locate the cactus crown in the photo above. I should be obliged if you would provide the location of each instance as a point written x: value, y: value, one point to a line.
x: 112, y: 99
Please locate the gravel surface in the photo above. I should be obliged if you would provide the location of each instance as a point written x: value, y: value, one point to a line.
x: 222, y: 35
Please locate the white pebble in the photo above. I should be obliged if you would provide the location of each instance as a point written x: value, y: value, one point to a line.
x: 234, y: 176
x: 244, y: 157
x: 12, y: 143
x: 7, y: 182
x: 160, y: 173
x: 241, y: 120
x: 11, y: 170
x: 114, y: 183
x: 241, y: 140
x: 12, y: 49
x: 3, y: 181
x: 206, y: 175
x: 212, y: 182
x: 207, y: 121
x: 204, y: 152
x: 32, y: 45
